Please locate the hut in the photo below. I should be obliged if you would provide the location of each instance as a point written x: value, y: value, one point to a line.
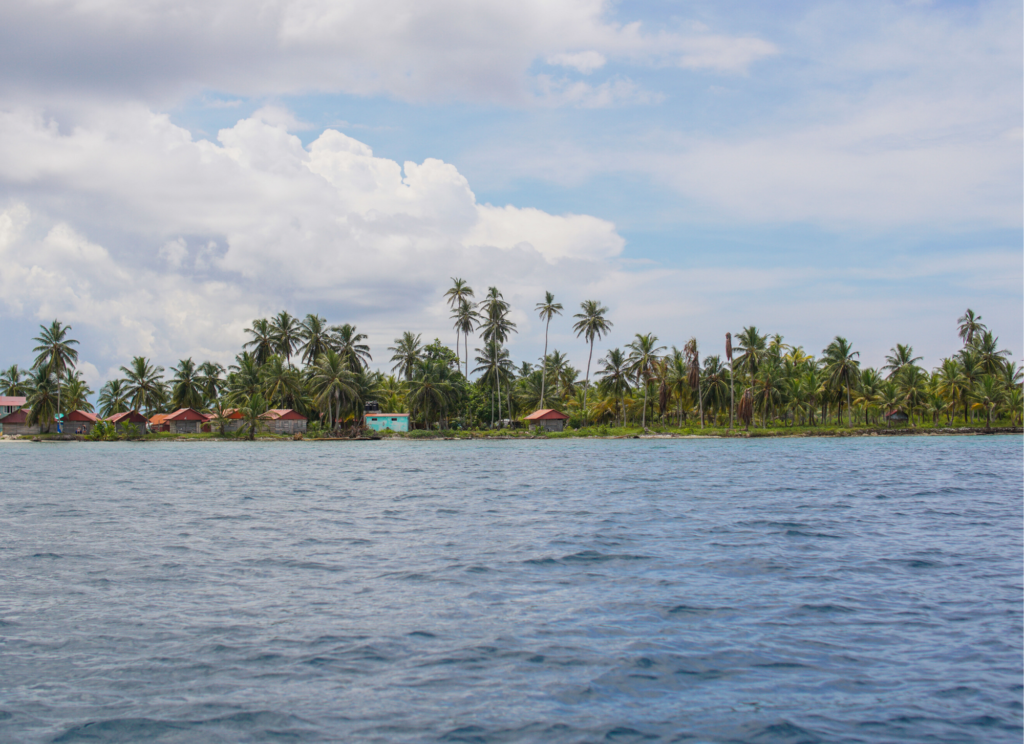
x: 136, y: 419
x: 381, y: 421
x: 11, y: 403
x: 284, y: 421
x: 186, y: 421
x: 16, y: 423
x: 547, y: 418
x: 80, y: 422
x: 897, y: 417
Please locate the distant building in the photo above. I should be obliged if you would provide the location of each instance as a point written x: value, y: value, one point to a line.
x: 897, y: 416
x: 186, y: 421
x: 134, y: 418
x: 392, y: 421
x: 11, y: 403
x: 80, y: 422
x: 284, y: 421
x: 548, y: 418
x: 16, y: 424
x: 234, y: 420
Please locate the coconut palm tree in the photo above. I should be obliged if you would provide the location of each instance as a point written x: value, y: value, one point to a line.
x: 547, y: 310
x: 971, y: 370
x: 889, y: 397
x: 988, y: 395
x: 458, y: 293
x: 693, y: 375
x: 12, y: 381
x: 841, y: 367
x: 315, y: 338
x: 812, y: 388
x: 408, y: 350
x: 732, y: 391
x: 990, y: 356
x: 715, y: 384
x: 262, y: 342
x: 211, y: 380
x: 614, y: 377
x: 679, y: 381
x: 243, y: 379
x: 913, y: 384
x: 431, y: 389
x: 497, y: 327
x: 745, y: 410
x: 494, y: 364
x: 186, y: 389
x: 591, y: 324
x: 752, y: 347
x: 55, y: 352
x: 870, y: 382
x: 1012, y: 375
x: 251, y: 412
x: 145, y: 385
x: 466, y: 320
x: 643, y: 355
x: 969, y: 325
x: 349, y: 343
x: 333, y: 383
x: 113, y: 398
x: 951, y: 384
x: 281, y: 384
x: 287, y: 333
x: 899, y: 358
x: 76, y: 394
x: 44, y: 400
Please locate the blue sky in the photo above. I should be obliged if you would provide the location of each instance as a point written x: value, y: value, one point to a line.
x: 811, y: 168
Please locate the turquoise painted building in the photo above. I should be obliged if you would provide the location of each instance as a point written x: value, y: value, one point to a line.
x: 393, y: 421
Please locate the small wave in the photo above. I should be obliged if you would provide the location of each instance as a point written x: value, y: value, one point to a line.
x: 47, y: 555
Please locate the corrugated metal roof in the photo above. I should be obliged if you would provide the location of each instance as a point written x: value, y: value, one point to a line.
x: 15, y: 417
x: 546, y: 414
x: 129, y: 417
x: 82, y: 416
x: 12, y: 400
x: 186, y: 414
x: 283, y: 414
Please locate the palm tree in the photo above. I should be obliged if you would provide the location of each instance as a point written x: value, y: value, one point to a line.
x: 753, y: 349
x: 287, y: 334
x: 913, y: 384
x: 870, y: 383
x: 244, y: 378
x: 11, y: 382
x: 732, y: 391
x: 990, y: 356
x: 591, y: 324
x: 988, y: 395
x: 971, y: 370
x: 459, y: 293
x: 497, y: 327
x: 840, y: 366
x: 76, y: 395
x: 951, y: 384
x: 55, y: 352
x: 113, y: 398
x: 44, y: 400
x: 888, y: 398
x: 408, y: 350
x: 615, y: 377
x: 693, y: 375
x: 494, y: 363
x: 745, y: 410
x: 679, y: 381
x: 643, y: 355
x: 186, y: 390
x: 969, y: 325
x: 333, y: 383
x: 899, y: 358
x: 547, y: 310
x: 262, y: 342
x: 349, y: 343
x: 145, y: 384
x: 431, y: 389
x: 251, y: 412
x: 280, y: 383
x: 1012, y: 375
x: 466, y: 319
x: 714, y: 387
x: 210, y: 380
x: 316, y: 338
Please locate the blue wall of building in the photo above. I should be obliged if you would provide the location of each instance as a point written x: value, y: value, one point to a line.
x: 382, y: 421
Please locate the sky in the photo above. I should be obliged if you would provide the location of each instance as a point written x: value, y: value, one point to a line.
x: 172, y: 169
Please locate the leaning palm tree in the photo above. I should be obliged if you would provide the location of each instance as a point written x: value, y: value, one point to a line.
x: 12, y: 382
x: 145, y: 384
x: 287, y: 333
x: 840, y: 367
x: 55, y: 352
x: 643, y: 356
x: 262, y: 342
x: 113, y: 398
x: 547, y: 310
x: 44, y: 401
x: 969, y: 325
x: 333, y: 383
x: 592, y: 325
x: 186, y: 389
x: 408, y: 350
x: 458, y: 293
x: 349, y: 343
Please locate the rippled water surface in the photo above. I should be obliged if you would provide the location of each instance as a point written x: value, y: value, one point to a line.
x: 864, y: 590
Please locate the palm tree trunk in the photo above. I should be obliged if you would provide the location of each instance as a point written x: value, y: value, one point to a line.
x: 700, y: 401
x: 587, y: 388
x: 730, y: 395
x: 644, y: 420
x: 849, y: 411
x: 544, y: 364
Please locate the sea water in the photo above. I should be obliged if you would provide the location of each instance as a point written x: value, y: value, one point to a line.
x: 798, y: 590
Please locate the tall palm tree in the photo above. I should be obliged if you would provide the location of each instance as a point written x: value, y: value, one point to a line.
x: 899, y: 358
x: 349, y: 343
x: 76, y: 394
x: 333, y: 383
x: 951, y: 384
x: 287, y: 333
x: 990, y: 356
x: 113, y: 398
x: 913, y: 384
x: 497, y: 327
x: 643, y: 355
x: 211, y: 380
x: 969, y: 325
x: 55, y: 352
x: 316, y: 338
x: 693, y: 363
x: 408, y: 350
x: 888, y: 398
x: 614, y: 380
x: 971, y: 369
x: 714, y: 384
x: 494, y: 364
x: 12, y: 381
x: 145, y: 384
x: 679, y: 381
x: 547, y: 310
x: 251, y: 412
x: 591, y: 324
x: 262, y: 342
x: 988, y: 395
x: 840, y: 366
x: 466, y: 320
x: 243, y: 378
x: 458, y: 293
x: 431, y: 389
x: 752, y: 347
x: 186, y: 390
x: 44, y: 400
x: 280, y: 383
x: 732, y: 391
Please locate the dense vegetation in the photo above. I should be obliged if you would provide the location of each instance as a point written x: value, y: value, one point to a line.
x: 323, y: 371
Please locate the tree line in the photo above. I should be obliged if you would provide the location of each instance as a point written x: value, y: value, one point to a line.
x: 323, y: 371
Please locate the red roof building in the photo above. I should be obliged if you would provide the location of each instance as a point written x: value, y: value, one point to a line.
x: 80, y: 422
x: 284, y: 421
x: 186, y: 421
x: 134, y: 418
x: 16, y: 423
x: 547, y: 418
